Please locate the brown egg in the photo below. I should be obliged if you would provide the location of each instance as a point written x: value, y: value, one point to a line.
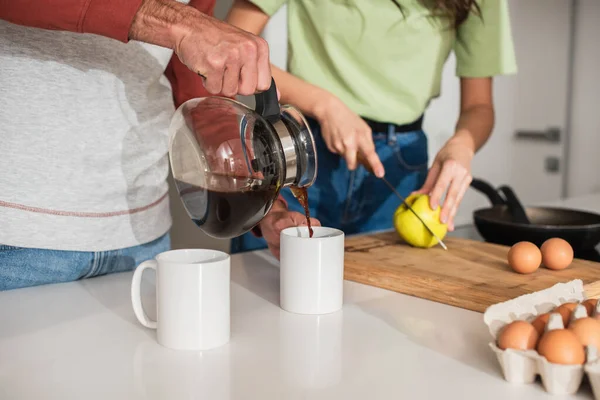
x: 590, y: 306
x: 540, y: 323
x: 565, y: 310
x: 520, y: 335
x: 557, y: 254
x: 561, y: 346
x: 587, y: 331
x: 524, y: 257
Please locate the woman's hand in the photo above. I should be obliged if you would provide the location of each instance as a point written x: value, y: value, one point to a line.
x: 450, y: 174
x: 347, y: 134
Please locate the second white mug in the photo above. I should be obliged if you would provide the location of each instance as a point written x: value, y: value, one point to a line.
x: 311, y: 270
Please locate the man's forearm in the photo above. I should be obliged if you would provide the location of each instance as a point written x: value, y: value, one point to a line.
x: 163, y: 22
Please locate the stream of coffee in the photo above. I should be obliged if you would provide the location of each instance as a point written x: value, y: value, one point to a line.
x: 302, y: 195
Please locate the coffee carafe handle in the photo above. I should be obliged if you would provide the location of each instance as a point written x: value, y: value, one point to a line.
x: 267, y: 103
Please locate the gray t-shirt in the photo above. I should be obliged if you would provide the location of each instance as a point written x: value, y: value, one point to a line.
x: 83, y: 140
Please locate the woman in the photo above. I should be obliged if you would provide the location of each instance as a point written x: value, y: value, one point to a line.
x: 364, y: 72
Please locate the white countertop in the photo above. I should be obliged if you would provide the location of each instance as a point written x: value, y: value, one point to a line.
x: 81, y: 341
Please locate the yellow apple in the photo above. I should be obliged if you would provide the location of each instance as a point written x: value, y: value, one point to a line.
x: 411, y: 229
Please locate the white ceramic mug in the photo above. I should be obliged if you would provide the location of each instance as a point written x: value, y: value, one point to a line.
x: 192, y: 298
x: 311, y: 270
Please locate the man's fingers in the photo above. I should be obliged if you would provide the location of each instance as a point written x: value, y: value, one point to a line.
x: 215, y: 72
x: 248, y: 79
x: 249, y: 69
x: 231, y: 79
x: 275, y: 251
x: 214, y: 82
x: 263, y: 65
x: 297, y: 219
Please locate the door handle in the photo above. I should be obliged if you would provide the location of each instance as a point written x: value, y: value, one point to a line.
x: 549, y: 135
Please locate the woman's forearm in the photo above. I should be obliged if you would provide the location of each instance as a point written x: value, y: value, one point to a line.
x: 476, y: 119
x: 474, y: 126
x: 307, y: 98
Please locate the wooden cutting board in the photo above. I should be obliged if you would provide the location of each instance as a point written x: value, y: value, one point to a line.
x: 471, y: 274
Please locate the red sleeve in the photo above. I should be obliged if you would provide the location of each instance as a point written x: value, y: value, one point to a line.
x: 185, y: 83
x: 110, y: 18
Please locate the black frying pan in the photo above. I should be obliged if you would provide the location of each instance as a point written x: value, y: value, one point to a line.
x: 508, y: 222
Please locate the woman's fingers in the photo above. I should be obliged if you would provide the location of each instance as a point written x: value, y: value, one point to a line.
x: 443, y: 181
x: 451, y: 198
x: 328, y: 138
x: 349, y: 151
x: 369, y: 156
x: 453, y: 180
x: 464, y: 186
x: 432, y: 177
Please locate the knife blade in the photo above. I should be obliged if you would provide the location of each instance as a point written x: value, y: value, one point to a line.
x: 365, y: 164
x: 414, y: 212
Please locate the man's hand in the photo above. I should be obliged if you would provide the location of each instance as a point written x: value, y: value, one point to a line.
x: 278, y: 219
x: 230, y: 60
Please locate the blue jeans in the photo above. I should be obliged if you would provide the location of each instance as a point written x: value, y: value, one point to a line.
x: 356, y: 201
x: 22, y: 267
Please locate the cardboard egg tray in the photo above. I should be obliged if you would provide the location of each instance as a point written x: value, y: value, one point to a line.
x: 522, y: 367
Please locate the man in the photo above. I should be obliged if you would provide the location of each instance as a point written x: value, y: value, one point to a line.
x: 87, y: 90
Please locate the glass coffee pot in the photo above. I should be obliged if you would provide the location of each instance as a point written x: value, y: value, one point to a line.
x: 230, y: 162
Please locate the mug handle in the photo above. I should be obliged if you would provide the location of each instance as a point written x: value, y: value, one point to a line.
x: 136, y: 297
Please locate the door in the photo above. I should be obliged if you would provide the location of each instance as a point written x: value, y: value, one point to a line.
x: 541, y: 98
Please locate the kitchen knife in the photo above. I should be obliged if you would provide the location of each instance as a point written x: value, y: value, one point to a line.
x: 415, y: 213
x: 368, y: 168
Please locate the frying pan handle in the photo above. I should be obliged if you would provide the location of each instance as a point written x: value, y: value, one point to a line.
x: 514, y: 205
x: 488, y: 190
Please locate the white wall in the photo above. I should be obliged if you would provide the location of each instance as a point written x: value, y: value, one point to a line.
x: 584, y: 155
x: 442, y: 114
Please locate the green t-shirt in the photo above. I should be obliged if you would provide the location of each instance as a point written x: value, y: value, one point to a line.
x: 385, y: 65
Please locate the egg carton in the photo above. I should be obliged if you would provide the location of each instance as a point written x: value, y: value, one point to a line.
x: 522, y: 367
